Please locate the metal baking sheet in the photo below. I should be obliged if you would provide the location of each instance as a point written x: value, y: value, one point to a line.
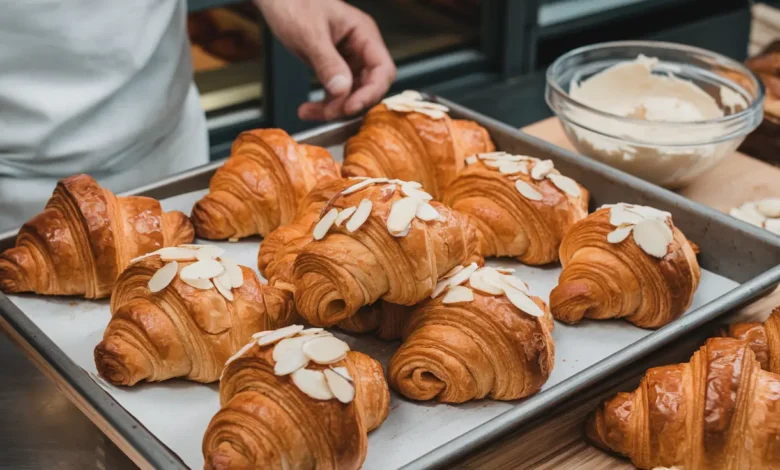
x: 159, y: 424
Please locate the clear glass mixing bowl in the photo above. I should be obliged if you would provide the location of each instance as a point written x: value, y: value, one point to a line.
x: 670, y: 154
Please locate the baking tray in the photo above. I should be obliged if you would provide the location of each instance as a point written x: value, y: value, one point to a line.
x: 430, y: 435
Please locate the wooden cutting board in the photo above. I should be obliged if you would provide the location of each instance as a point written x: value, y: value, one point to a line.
x: 558, y: 443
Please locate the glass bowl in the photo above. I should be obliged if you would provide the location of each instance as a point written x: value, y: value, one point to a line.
x: 669, y: 154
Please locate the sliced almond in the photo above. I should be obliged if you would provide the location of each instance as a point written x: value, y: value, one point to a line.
x: 341, y: 388
x: 234, y: 271
x: 312, y: 383
x: 175, y: 253
x: 523, y: 302
x: 342, y: 371
x: 279, y: 334
x: 620, y: 234
x: 223, y: 285
x: 527, y: 191
x: 618, y: 215
x: 402, y: 213
x: 427, y: 212
x: 410, y: 185
x: 492, y: 163
x: 288, y: 354
x: 325, y: 349
x: 514, y: 283
x: 769, y: 208
x: 240, y: 352
x: 205, y: 269
x: 139, y: 258
x: 325, y: 223
x: 163, y: 277
x: 209, y: 252
x: 653, y: 237
x: 344, y: 215
x: 462, y: 275
x: 773, y: 225
x: 441, y: 286
x: 457, y: 295
x: 260, y: 334
x: 648, y: 212
x: 358, y: 186
x: 453, y: 271
x: 483, y: 281
x: 542, y: 169
x: 748, y: 213
x: 389, y: 190
x: 471, y: 159
x: 312, y: 331
x: 565, y: 184
x: 361, y: 215
x: 510, y: 168
x: 411, y: 189
x: 505, y: 270
x: 498, y: 155
x: 202, y: 284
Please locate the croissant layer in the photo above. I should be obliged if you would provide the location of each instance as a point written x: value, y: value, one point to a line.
x: 763, y: 339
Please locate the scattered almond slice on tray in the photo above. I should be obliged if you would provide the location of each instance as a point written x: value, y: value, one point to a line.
x: 763, y: 213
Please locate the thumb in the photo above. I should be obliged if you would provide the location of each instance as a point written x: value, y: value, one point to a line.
x: 331, y: 69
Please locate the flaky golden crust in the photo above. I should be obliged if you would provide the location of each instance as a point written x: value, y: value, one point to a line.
x: 182, y: 331
x: 84, y: 238
x: 336, y: 276
x: 602, y: 280
x: 509, y: 224
x: 413, y: 147
x: 265, y: 421
x: 763, y: 339
x: 719, y: 411
x: 260, y: 185
x: 467, y: 351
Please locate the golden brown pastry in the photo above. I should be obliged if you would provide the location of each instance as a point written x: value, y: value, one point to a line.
x: 377, y: 239
x: 625, y: 261
x: 719, y: 411
x: 260, y: 185
x: 407, y: 138
x: 173, y: 316
x: 484, y: 337
x: 276, y: 416
x: 522, y: 206
x: 763, y: 338
x: 84, y: 238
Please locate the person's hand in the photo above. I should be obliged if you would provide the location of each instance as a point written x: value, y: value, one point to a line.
x: 343, y: 46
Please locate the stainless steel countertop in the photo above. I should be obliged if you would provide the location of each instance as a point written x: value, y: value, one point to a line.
x: 41, y: 428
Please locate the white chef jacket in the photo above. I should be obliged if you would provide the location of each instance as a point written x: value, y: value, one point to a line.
x: 93, y: 86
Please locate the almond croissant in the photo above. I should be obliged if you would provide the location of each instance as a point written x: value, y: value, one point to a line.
x: 719, y: 411
x: 84, y: 238
x: 413, y: 146
x: 625, y: 261
x: 763, y: 339
x: 260, y: 185
x: 183, y: 330
x: 378, y: 239
x: 457, y: 349
x: 268, y: 421
x: 522, y: 206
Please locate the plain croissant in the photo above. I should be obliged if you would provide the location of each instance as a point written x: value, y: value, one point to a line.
x: 719, y: 411
x: 604, y: 279
x: 182, y: 331
x: 521, y: 206
x: 84, y: 238
x: 763, y: 338
x: 266, y: 421
x: 259, y: 187
x: 483, y: 348
x: 413, y: 146
x: 396, y: 250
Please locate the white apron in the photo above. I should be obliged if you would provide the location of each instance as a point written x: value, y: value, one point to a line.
x: 93, y: 86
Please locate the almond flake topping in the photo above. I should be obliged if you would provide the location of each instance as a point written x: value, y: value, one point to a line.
x: 512, y: 165
x: 528, y: 191
x: 163, y: 277
x: 360, y: 215
x: 650, y: 227
x: 344, y: 215
x: 412, y: 101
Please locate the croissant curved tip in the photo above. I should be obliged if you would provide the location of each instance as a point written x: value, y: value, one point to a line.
x: 12, y: 276
x: 112, y: 363
x: 571, y: 301
x: 208, y: 217
x: 594, y: 428
x: 226, y: 457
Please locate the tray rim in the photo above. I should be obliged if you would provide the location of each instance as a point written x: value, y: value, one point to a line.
x: 147, y: 451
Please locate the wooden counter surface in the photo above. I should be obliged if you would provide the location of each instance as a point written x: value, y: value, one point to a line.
x: 557, y: 442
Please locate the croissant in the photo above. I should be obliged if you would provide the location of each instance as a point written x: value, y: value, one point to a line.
x: 719, y: 411
x: 625, y: 261
x: 378, y: 239
x: 84, y: 238
x: 280, y: 249
x: 763, y: 339
x: 490, y: 340
x: 394, y: 141
x: 315, y: 417
x: 260, y: 185
x: 522, y: 206
x: 188, y: 328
